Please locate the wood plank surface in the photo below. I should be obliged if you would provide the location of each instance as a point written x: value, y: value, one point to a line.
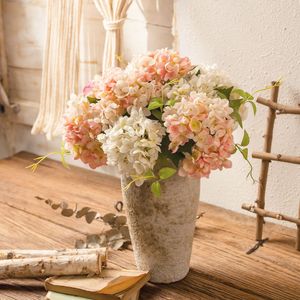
x: 220, y: 268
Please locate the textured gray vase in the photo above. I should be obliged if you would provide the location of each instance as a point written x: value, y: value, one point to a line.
x: 162, y: 229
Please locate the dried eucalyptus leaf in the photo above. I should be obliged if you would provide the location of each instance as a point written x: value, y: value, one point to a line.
x: 90, y: 216
x: 93, y: 238
x: 117, y: 244
x: 115, y: 237
x: 82, y: 212
x: 63, y: 205
x: 96, y: 241
x: 125, y: 232
x: 55, y: 206
x: 111, y: 233
x: 67, y: 212
x: 109, y: 218
x: 48, y: 201
x: 80, y: 244
x: 120, y: 220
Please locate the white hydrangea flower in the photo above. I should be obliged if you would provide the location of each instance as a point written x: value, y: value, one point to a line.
x: 108, y: 112
x: 76, y: 106
x: 210, y: 77
x: 133, y: 143
x: 205, y: 82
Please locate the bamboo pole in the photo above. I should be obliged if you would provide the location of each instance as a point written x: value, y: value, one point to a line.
x: 282, y: 109
x: 265, y: 163
x: 270, y: 214
x: 298, y: 232
x: 29, y: 253
x: 51, y: 266
x: 277, y: 157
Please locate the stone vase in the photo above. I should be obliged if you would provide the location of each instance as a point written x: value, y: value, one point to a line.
x: 162, y: 228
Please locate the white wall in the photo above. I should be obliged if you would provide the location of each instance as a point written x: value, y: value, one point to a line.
x: 255, y: 42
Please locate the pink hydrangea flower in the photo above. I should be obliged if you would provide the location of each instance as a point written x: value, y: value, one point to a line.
x: 81, y: 131
x: 207, y: 122
x: 162, y: 65
x: 87, y: 90
x: 202, y: 162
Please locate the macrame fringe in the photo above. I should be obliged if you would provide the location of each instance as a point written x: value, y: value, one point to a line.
x: 60, y: 64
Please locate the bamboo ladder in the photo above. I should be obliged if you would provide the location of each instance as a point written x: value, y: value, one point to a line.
x: 266, y: 157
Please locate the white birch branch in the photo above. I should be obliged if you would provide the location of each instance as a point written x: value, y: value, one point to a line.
x: 30, y: 253
x: 50, y: 266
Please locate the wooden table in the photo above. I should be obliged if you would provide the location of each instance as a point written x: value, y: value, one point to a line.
x: 220, y: 269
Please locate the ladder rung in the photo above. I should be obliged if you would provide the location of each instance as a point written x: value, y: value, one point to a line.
x: 270, y: 214
x: 282, y: 109
x: 277, y: 157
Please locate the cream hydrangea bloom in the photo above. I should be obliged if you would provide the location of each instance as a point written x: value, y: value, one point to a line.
x: 133, y: 143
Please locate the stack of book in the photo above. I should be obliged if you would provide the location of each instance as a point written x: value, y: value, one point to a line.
x: 111, y: 284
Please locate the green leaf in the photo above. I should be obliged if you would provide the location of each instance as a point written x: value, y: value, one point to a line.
x: 246, y: 139
x: 224, y: 92
x: 175, y: 158
x: 92, y: 100
x: 243, y: 94
x: 157, y: 114
x: 253, y: 107
x: 171, y: 102
x: 236, y: 116
x: 155, y: 103
x: 165, y: 173
x: 149, y: 173
x: 155, y: 188
x: 235, y: 104
x: 245, y: 153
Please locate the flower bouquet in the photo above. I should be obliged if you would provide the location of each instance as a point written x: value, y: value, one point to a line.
x: 164, y: 123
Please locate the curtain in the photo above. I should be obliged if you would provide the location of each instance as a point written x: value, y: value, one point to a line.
x: 60, y: 64
x: 113, y: 13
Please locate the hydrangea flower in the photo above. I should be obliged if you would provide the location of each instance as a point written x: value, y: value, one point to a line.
x: 119, y: 91
x: 121, y: 117
x: 133, y: 143
x: 207, y: 122
x: 81, y: 130
x: 161, y: 65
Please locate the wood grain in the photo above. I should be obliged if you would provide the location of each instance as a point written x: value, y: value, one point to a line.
x: 220, y: 269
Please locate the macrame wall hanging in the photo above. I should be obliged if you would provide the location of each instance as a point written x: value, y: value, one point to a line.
x: 60, y: 64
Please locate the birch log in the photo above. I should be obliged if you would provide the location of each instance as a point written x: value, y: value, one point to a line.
x: 30, y: 253
x: 50, y: 266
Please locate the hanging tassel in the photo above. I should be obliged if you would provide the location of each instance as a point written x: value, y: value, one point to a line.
x: 114, y: 13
